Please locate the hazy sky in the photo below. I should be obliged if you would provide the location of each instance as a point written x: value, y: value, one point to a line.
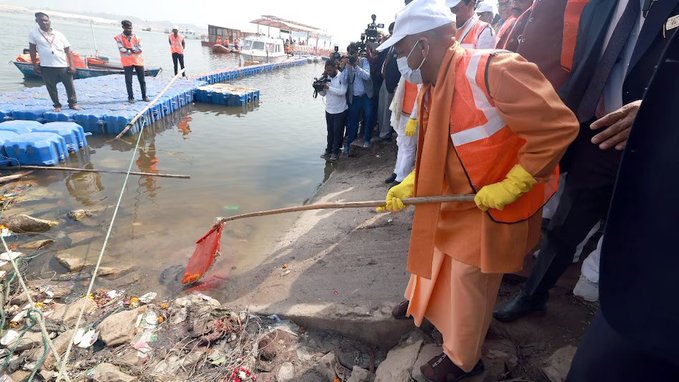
x: 345, y: 20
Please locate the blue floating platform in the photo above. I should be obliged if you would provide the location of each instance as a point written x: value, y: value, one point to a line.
x: 227, y: 95
x: 104, y: 106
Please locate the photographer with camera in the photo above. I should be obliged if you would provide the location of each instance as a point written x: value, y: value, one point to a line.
x: 335, y: 56
x: 334, y: 88
x: 360, y: 91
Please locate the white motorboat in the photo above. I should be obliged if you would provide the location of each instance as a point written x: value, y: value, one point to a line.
x: 263, y: 49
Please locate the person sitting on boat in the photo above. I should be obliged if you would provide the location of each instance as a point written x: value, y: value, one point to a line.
x: 130, y: 50
x: 177, y: 46
x: 218, y: 41
x: 56, y: 64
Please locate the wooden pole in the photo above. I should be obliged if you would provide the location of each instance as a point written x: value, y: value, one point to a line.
x: 363, y: 204
x: 75, y: 169
x: 10, y: 178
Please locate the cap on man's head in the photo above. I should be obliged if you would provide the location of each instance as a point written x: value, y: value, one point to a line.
x: 417, y: 17
x: 485, y: 6
x: 452, y: 3
x: 175, y: 28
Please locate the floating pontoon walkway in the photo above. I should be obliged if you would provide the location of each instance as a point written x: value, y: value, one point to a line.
x: 103, y: 100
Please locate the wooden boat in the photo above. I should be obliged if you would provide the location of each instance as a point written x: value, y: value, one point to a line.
x: 219, y: 48
x: 26, y: 69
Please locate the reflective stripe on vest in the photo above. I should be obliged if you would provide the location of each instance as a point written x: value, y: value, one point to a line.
x: 485, y: 144
x: 469, y: 35
x: 176, y: 43
x: 129, y: 58
x: 571, y: 26
x: 409, y: 97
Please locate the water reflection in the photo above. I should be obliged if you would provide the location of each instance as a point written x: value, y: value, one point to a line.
x: 85, y: 187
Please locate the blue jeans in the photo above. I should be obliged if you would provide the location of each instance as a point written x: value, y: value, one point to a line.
x: 360, y: 104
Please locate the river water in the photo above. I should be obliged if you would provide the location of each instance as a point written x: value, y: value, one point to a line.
x: 240, y: 160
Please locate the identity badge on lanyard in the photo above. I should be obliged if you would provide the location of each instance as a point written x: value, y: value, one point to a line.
x: 51, y: 42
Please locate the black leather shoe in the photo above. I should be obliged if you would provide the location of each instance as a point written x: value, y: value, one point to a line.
x: 521, y: 306
x: 390, y: 179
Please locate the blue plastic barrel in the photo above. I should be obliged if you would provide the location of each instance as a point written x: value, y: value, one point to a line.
x: 34, y: 149
x: 73, y: 134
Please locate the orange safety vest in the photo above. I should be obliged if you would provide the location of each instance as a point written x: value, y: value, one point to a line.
x: 571, y: 26
x: 409, y: 97
x: 130, y: 58
x: 218, y: 41
x: 469, y: 35
x: 505, y: 29
x: 176, y: 43
x: 486, y: 145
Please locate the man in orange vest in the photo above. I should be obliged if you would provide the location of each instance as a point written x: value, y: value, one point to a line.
x: 490, y: 124
x: 130, y: 50
x: 518, y: 20
x: 471, y: 31
x: 177, y: 46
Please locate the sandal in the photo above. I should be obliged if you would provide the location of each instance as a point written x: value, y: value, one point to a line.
x: 442, y: 369
x: 400, y: 311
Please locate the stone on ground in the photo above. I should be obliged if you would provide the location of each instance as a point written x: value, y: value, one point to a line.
x: 38, y: 244
x: 68, y: 314
x: 427, y: 352
x: 74, y: 263
x: 400, y: 360
x: 286, y: 372
x: 27, y: 224
x: 119, y: 328
x: 557, y: 366
x: 359, y: 375
x: 106, y: 372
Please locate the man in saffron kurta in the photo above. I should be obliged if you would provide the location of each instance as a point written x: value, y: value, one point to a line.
x: 491, y: 124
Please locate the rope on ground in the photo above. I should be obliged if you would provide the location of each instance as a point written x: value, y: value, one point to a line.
x: 41, y: 321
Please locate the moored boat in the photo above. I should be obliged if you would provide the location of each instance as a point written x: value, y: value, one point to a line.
x: 26, y: 68
x: 263, y: 49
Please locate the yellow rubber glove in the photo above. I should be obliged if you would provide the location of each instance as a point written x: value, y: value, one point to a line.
x: 411, y: 127
x: 401, y: 191
x: 501, y: 194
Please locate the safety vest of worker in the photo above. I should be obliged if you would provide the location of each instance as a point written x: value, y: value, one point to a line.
x: 127, y: 56
x: 504, y: 31
x: 176, y: 43
x: 468, y: 36
x: 572, y: 15
x: 409, y: 97
x: 24, y: 57
x: 485, y: 144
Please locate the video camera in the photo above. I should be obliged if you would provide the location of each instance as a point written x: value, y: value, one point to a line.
x: 319, y: 83
x: 371, y: 33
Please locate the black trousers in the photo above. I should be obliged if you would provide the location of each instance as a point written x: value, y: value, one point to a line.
x: 336, y: 124
x: 140, y: 77
x: 178, y: 58
x: 585, y: 200
x: 605, y: 355
x: 52, y: 76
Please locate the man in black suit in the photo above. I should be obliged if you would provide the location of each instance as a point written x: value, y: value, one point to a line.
x: 634, y: 337
x: 618, y: 47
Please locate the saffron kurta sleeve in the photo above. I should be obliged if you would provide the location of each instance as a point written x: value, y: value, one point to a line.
x: 532, y: 109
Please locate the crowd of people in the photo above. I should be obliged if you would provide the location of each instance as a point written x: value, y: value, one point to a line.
x: 52, y: 59
x: 525, y: 105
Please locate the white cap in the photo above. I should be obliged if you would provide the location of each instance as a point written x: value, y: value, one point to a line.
x: 174, y: 27
x: 417, y: 17
x: 485, y: 6
x: 452, y: 3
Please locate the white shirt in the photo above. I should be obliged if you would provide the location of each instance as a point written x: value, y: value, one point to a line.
x: 50, y: 46
x: 335, y: 95
x: 487, y: 38
x: 612, y: 94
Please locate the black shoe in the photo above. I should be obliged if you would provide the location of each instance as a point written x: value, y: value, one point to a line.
x: 395, y: 183
x: 442, y: 369
x: 325, y: 156
x: 146, y: 99
x: 390, y: 179
x: 332, y: 158
x: 130, y: 100
x: 520, y: 306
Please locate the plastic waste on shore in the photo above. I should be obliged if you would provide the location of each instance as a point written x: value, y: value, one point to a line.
x: 85, y: 338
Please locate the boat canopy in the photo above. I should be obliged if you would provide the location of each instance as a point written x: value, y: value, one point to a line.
x: 288, y: 25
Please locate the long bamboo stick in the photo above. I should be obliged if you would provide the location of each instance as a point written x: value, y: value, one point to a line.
x: 150, y: 104
x: 10, y: 178
x: 363, y: 204
x: 76, y: 169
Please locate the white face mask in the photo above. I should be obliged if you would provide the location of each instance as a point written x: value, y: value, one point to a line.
x: 411, y: 75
